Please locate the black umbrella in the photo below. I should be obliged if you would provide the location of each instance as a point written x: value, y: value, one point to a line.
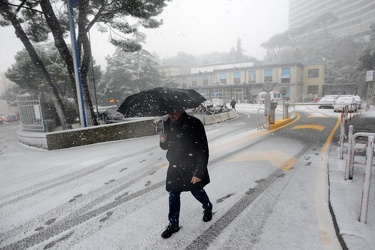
x: 160, y: 101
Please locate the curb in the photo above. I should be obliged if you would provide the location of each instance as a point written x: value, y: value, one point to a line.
x: 280, y: 123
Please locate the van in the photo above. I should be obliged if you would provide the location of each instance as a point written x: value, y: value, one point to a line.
x: 275, y: 97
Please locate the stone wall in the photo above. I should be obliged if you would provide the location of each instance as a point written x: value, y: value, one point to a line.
x: 110, y: 132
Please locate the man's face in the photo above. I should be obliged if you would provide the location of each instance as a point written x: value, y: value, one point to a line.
x: 175, y: 116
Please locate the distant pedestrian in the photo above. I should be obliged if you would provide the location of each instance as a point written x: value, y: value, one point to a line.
x: 233, y: 104
x: 185, y: 139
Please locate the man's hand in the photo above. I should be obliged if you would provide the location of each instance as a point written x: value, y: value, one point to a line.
x: 163, y: 138
x: 195, y: 180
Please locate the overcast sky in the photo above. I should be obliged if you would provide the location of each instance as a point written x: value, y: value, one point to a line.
x: 195, y: 27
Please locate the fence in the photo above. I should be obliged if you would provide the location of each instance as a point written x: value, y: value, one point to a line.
x: 30, y: 113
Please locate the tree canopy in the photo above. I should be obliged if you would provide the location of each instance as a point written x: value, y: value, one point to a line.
x: 128, y: 73
x: 36, y: 21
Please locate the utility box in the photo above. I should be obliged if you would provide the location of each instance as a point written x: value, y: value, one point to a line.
x: 273, y: 107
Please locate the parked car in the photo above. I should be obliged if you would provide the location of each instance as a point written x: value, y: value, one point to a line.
x: 359, y: 101
x: 10, y: 118
x: 101, y: 110
x: 345, y: 101
x: 112, y: 116
x: 327, y: 102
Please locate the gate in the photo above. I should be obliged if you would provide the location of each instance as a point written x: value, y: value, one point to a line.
x: 30, y: 110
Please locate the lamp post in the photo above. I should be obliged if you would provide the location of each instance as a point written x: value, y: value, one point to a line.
x: 93, y: 80
x: 77, y: 75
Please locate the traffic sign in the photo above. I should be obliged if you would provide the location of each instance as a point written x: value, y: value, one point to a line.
x: 268, y: 86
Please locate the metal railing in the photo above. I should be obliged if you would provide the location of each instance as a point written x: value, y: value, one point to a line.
x: 30, y: 113
x: 351, y: 150
x: 349, y: 167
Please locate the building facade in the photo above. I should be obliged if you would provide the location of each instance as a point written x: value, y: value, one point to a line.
x: 244, y: 81
x: 350, y: 17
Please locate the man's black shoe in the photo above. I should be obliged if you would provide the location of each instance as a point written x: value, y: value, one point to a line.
x: 169, y: 231
x: 207, y: 214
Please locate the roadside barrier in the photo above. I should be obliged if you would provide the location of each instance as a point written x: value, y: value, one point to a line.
x: 217, y: 118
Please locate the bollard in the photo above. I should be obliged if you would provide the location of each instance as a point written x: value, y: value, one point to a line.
x: 286, y: 111
x: 366, y: 181
x: 265, y: 114
x: 350, y: 155
x: 342, y: 133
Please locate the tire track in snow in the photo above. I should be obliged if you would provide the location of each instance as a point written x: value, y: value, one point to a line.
x: 204, y: 240
x: 41, y: 187
x: 86, y: 202
x: 85, y: 213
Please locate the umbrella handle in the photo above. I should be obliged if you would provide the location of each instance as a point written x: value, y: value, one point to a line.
x: 162, y: 125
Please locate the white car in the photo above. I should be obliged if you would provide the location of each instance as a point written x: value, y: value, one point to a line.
x: 345, y: 101
x: 327, y: 102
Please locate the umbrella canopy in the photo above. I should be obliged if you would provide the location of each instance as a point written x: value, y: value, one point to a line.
x: 160, y: 101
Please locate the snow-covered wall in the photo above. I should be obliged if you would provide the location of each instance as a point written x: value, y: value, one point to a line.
x: 110, y: 132
x: 86, y: 136
x: 97, y: 134
x: 33, y: 139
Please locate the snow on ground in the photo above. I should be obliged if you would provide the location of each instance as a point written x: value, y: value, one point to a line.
x: 23, y: 167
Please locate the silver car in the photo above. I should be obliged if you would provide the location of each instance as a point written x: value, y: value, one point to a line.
x: 111, y: 115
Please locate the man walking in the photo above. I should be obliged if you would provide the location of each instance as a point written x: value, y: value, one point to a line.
x: 233, y: 104
x: 185, y: 139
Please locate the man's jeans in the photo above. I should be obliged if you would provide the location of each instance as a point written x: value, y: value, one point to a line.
x: 175, y: 204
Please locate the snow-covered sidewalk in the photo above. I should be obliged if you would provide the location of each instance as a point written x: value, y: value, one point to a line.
x: 345, y: 198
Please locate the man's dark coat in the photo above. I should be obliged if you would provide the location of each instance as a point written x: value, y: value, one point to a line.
x: 187, y: 153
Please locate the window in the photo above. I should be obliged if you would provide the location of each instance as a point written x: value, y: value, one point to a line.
x: 223, y: 78
x: 194, y: 82
x: 237, y: 77
x: 285, y: 75
x: 312, y: 90
x: 184, y: 83
x: 252, y: 76
x: 205, y: 80
x: 268, y: 75
x: 313, y: 73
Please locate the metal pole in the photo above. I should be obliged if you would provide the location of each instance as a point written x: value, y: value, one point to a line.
x: 283, y: 108
x: 350, y: 160
x: 77, y: 74
x: 342, y: 134
x: 93, y: 81
x: 366, y: 181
